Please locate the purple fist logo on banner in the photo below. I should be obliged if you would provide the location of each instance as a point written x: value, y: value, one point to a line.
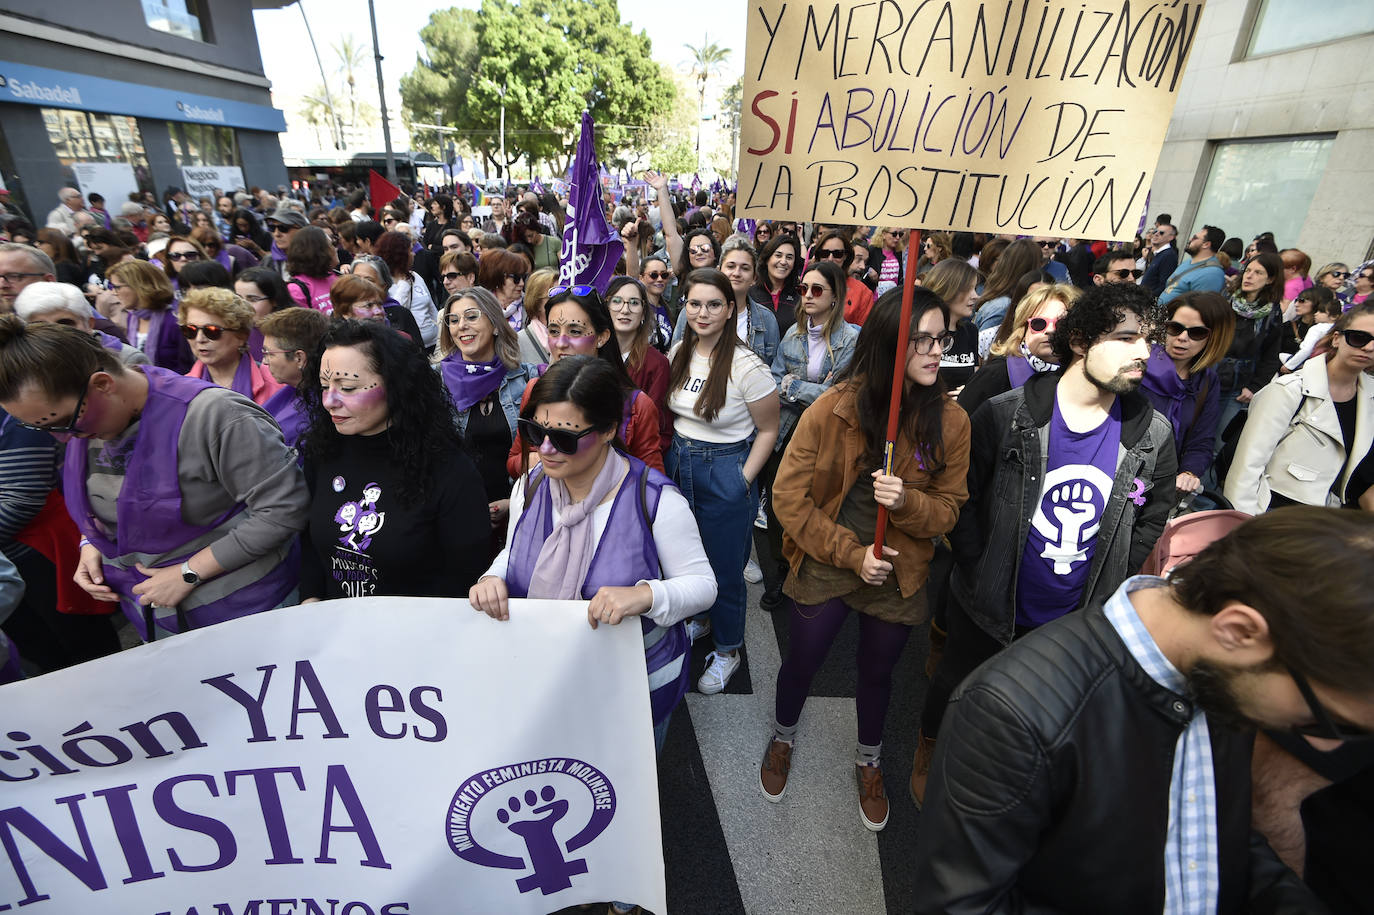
x: 591, y: 248
x: 534, y: 803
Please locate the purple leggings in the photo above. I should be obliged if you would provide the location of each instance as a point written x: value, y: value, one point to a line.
x: 813, y: 631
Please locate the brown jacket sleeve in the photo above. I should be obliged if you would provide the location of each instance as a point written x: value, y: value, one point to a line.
x: 932, y: 510
x: 813, y: 531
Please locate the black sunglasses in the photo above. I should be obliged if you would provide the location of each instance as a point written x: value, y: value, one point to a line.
x: 212, y: 331
x: 1125, y: 272
x: 564, y: 441
x: 68, y: 428
x: 184, y: 256
x: 1357, y: 338
x: 450, y: 277
x: 833, y: 253
x: 518, y: 277
x: 657, y: 275
x: 1323, y: 727
x: 1174, y: 329
x: 1040, y: 325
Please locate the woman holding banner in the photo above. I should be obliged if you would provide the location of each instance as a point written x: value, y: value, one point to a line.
x: 725, y: 408
x: 827, y: 499
x: 187, y: 497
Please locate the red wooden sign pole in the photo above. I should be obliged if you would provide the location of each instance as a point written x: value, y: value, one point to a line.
x: 894, y: 407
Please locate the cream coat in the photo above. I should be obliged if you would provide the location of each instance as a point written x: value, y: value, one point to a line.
x: 1292, y: 444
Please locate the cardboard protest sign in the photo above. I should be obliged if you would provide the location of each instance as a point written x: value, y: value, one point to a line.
x: 1040, y: 118
x: 372, y: 756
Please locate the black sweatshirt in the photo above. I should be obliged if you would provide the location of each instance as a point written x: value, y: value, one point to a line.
x: 364, y: 541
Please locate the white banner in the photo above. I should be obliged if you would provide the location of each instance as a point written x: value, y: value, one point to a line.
x: 373, y: 756
x: 203, y: 180
x: 114, y: 181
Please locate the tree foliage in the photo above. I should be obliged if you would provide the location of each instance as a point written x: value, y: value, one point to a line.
x: 551, y: 58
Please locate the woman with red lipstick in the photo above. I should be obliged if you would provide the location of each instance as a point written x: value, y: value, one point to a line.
x: 396, y: 505
x: 725, y: 409
x: 216, y: 323
x: 187, y: 497
x: 1307, y: 440
x: 827, y: 493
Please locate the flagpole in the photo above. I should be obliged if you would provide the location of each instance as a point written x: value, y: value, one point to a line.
x: 894, y: 406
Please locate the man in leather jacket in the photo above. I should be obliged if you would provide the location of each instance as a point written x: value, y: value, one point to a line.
x: 1102, y: 763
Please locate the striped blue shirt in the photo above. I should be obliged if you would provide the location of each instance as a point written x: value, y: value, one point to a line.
x: 1191, y: 874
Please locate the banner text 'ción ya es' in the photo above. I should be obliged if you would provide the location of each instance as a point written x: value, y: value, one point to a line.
x: 1040, y: 117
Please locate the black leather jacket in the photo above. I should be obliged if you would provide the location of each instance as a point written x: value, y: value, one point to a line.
x: 1049, y: 790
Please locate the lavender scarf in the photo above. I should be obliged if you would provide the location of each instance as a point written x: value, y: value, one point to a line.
x: 471, y: 382
x: 566, y: 556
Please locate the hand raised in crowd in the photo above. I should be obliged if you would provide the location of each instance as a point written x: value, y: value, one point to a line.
x: 611, y: 605
x: 90, y: 575
x: 874, y: 570
x: 888, y: 491
x: 489, y: 596
x: 656, y: 180
x: 630, y: 231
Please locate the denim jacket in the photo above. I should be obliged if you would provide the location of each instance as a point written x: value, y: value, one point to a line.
x: 511, y: 390
x: 792, y: 358
x: 761, y: 331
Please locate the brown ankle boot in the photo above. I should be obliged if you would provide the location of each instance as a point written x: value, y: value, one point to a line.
x: 920, y: 768
x: 938, y: 637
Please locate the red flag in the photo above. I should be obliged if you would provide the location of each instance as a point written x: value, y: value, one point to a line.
x: 380, y: 190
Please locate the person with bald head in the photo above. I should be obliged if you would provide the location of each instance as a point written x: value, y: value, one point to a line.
x: 63, y: 216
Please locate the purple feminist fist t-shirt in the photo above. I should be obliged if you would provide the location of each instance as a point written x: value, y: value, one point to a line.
x: 1079, y: 470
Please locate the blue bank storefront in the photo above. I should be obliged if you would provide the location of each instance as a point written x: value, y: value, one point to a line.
x: 116, y: 136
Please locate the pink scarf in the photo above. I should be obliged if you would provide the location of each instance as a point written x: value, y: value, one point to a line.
x: 565, y: 557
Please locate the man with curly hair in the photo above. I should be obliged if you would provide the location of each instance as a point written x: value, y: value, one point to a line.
x: 1071, y: 478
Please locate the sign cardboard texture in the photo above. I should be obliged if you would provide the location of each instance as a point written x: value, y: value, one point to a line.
x: 1020, y: 117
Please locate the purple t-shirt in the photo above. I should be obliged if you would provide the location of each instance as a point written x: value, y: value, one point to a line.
x: 1079, y: 470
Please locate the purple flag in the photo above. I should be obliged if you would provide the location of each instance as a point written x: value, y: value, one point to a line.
x: 745, y: 227
x: 696, y: 182
x: 1144, y: 216
x: 591, y: 248
x: 537, y: 186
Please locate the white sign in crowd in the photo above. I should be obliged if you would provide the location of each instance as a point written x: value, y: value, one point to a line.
x: 374, y: 756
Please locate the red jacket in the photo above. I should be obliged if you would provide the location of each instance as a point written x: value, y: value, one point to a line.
x: 640, y: 434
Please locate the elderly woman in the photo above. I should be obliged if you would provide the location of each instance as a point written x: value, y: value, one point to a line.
x: 62, y: 303
x: 290, y: 339
x: 362, y: 299
x: 457, y: 270
x: 187, y: 497
x: 143, y: 299
x: 486, y: 377
x: 216, y: 323
x: 504, y: 275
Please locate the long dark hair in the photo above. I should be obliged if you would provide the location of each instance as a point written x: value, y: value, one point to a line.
x: 423, y: 428
x: 635, y: 358
x: 684, y: 264
x: 712, y: 395
x: 774, y: 243
x: 600, y: 316
x: 1271, y: 293
x: 1020, y: 257
x: 870, y: 374
x: 588, y: 383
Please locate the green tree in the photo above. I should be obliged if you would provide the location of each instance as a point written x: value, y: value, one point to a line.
x: 546, y: 60
x: 315, y: 109
x: 675, y: 158
x: 707, y: 59
x: 352, y: 57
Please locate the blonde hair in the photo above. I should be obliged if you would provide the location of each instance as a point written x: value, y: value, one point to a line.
x: 228, y: 307
x: 537, y: 286
x: 150, y: 285
x: 507, y: 344
x: 1026, y: 309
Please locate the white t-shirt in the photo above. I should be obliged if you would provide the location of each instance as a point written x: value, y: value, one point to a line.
x: 750, y: 381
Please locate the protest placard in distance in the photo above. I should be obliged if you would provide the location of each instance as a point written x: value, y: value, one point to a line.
x: 1040, y: 117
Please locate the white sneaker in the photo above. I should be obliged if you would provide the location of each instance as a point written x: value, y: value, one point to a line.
x: 697, y: 628
x: 719, y: 669
x: 752, y: 573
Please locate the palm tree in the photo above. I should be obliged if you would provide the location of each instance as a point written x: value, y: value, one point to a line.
x: 315, y: 108
x: 351, y: 56
x: 706, y: 62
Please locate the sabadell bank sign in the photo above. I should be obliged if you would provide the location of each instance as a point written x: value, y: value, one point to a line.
x: 36, y: 92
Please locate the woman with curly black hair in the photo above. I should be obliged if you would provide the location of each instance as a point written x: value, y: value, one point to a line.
x: 396, y: 506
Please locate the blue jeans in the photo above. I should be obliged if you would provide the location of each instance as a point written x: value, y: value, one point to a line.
x: 711, y: 477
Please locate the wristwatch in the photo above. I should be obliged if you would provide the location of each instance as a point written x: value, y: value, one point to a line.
x: 188, y: 575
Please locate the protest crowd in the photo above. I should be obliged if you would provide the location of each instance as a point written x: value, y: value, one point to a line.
x: 218, y: 407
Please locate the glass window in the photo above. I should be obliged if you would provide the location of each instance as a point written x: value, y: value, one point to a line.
x: 1263, y: 186
x: 176, y: 17
x: 203, y: 144
x: 79, y: 137
x: 1283, y: 24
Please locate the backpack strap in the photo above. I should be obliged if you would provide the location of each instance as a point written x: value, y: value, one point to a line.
x: 305, y: 290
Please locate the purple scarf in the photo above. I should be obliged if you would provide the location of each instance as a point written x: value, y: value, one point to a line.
x: 567, y: 555
x: 278, y: 255
x: 471, y: 382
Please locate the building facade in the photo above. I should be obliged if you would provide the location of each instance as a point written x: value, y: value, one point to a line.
x: 1274, y: 127
x: 133, y: 96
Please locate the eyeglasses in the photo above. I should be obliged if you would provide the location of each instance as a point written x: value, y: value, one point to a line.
x: 184, y: 256
x: 389, y: 221
x: 831, y: 253
x: 1040, y: 325
x: 451, y: 276
x: 69, y: 427
x: 564, y: 441
x: 1324, y: 726
x: 1126, y: 273
x: 701, y: 251
x: 815, y: 290
x: 1357, y: 338
x: 454, y: 320
x: 657, y: 275
x: 280, y: 352
x: 1174, y: 329
x: 518, y: 278
x: 16, y: 277
x: 618, y: 303
x: 275, y: 227
x: 1047, y: 244
x: 926, y: 344
x: 212, y: 331
x: 1340, y: 274
x: 254, y: 299
x: 575, y: 290
x: 713, y: 307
